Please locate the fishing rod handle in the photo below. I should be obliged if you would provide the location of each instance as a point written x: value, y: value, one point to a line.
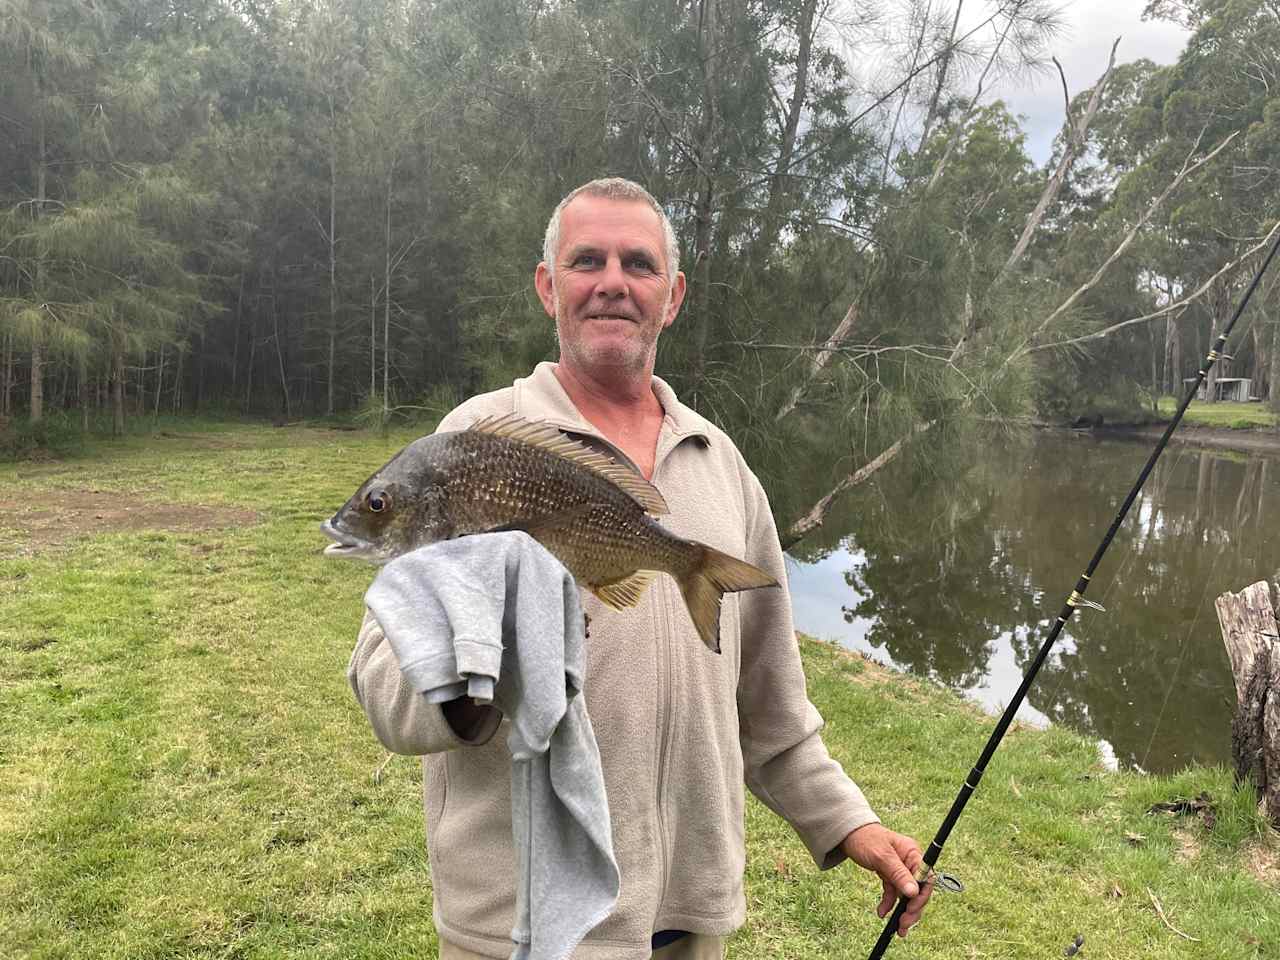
x: 890, y: 928
x: 891, y: 925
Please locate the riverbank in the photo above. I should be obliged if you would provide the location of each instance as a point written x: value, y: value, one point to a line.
x: 185, y: 772
x: 1259, y: 440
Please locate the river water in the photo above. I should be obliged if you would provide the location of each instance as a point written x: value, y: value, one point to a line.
x: 959, y: 580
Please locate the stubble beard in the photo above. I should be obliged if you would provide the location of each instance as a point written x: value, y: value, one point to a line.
x: 634, y: 357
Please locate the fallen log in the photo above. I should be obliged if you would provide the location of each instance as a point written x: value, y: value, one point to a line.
x: 1251, y: 633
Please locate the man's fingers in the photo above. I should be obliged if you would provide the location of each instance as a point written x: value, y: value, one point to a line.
x: 903, y: 881
x: 887, y: 901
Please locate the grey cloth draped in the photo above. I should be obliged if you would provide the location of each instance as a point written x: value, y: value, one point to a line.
x: 497, y: 617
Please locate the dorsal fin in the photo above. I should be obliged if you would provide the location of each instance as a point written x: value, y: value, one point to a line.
x: 512, y: 426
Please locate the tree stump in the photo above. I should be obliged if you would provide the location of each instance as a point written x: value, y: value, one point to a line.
x: 1252, y: 637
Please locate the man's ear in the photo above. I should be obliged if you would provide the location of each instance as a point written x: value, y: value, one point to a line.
x: 677, y: 298
x: 545, y: 286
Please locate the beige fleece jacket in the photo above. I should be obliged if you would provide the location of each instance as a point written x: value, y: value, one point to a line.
x: 679, y: 728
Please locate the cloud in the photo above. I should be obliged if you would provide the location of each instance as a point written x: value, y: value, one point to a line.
x: 1091, y: 26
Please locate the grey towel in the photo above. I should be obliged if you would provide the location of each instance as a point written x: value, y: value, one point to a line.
x: 497, y: 617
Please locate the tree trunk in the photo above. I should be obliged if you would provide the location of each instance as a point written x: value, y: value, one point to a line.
x: 155, y: 410
x: 1258, y: 372
x: 37, y: 349
x: 705, y: 204
x: 1177, y: 362
x: 199, y: 399
x: 818, y: 513
x: 386, y: 308
x: 82, y: 394
x: 284, y: 382
x: 333, y: 257
x: 37, y: 382
x: 1251, y: 635
x: 1273, y: 385
x: 373, y: 339
x: 1219, y: 305
x: 938, y: 87
x: 5, y: 409
x: 1074, y: 144
x: 140, y: 405
x: 820, y: 360
x: 179, y: 368
x: 1155, y: 367
x: 248, y: 375
x: 780, y: 181
x: 117, y: 413
x: 235, y: 345
x: 916, y: 53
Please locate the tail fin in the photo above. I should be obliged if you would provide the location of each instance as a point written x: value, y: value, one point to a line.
x: 707, y: 581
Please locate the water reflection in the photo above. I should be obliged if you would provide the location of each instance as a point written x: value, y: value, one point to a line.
x: 959, y: 581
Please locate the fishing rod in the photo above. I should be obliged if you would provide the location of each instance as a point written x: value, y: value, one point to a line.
x: 1076, y: 599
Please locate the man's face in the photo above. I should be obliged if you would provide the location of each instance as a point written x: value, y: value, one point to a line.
x: 609, y: 294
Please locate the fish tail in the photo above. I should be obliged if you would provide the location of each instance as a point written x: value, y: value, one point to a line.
x: 705, y: 583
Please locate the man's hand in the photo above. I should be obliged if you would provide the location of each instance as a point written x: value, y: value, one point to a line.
x: 895, y: 859
x: 466, y: 717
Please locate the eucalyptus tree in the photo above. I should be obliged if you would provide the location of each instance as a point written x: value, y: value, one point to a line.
x: 47, y: 79
x: 327, y: 45
x: 1224, y: 83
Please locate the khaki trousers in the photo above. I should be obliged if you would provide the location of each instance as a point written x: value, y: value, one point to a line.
x: 693, y: 947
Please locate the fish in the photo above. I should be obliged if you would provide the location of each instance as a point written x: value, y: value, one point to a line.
x: 593, y: 513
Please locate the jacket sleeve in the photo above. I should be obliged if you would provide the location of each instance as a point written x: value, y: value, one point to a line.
x: 787, y: 764
x: 402, y: 719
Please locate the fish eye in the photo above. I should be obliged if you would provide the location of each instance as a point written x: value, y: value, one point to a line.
x: 378, y: 500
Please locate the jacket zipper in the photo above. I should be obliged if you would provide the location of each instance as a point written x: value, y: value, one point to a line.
x: 663, y: 620
x: 662, y: 611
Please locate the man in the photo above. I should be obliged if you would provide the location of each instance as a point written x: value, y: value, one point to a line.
x: 679, y: 729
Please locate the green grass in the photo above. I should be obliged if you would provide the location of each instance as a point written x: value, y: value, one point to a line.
x: 184, y: 773
x: 1236, y: 416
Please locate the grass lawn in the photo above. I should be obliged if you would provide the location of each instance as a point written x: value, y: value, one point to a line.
x: 1239, y: 416
x: 184, y: 773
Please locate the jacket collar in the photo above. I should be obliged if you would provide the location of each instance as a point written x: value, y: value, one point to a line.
x: 539, y: 396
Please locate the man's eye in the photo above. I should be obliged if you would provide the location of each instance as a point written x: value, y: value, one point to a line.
x: 641, y: 263
x: 585, y: 260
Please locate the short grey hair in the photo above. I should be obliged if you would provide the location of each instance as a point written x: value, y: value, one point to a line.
x: 612, y: 188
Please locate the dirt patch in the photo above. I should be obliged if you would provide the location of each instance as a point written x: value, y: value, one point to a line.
x: 56, y: 517
x: 1188, y: 846
x: 1262, y: 860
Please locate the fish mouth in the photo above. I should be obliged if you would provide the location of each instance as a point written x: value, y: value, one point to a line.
x: 344, y: 544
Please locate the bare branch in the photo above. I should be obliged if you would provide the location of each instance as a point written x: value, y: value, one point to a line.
x: 1188, y: 168
x: 1178, y: 305
x: 821, y: 359
x: 815, y: 517
x: 972, y: 108
x: 1066, y: 95
x: 1071, y: 149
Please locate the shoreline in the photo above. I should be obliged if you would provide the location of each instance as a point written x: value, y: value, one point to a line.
x: 1214, y: 438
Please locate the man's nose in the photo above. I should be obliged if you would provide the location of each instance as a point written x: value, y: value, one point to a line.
x: 612, y: 281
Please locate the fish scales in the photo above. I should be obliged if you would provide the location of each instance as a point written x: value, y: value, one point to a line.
x: 506, y: 473
x: 605, y: 533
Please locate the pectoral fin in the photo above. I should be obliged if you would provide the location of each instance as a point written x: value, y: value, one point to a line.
x: 625, y: 592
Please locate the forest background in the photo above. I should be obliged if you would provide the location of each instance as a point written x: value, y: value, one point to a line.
x: 323, y: 208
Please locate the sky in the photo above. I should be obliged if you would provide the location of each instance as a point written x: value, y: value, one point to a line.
x: 1082, y: 48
